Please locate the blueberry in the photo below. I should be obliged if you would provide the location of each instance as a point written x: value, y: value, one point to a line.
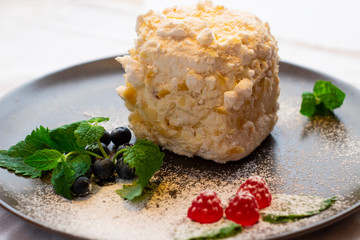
x: 120, y: 135
x: 88, y: 173
x: 81, y: 186
x: 123, y: 170
x: 94, y: 147
x: 103, y: 169
x: 106, y: 138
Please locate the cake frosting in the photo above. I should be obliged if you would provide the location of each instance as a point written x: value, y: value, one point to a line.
x: 202, y: 81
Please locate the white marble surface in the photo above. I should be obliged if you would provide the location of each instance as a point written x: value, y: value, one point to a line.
x: 41, y: 36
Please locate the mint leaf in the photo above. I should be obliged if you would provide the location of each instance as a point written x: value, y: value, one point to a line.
x: 79, y: 163
x: 38, y: 139
x: 62, y: 179
x: 308, y: 105
x: 325, y: 98
x: 147, y: 159
x: 86, y: 133
x: 17, y: 165
x: 329, y: 94
x: 44, y: 159
x: 64, y: 137
x: 231, y: 230
x: 98, y: 119
x: 322, y: 110
x: 130, y: 191
x: 293, y: 208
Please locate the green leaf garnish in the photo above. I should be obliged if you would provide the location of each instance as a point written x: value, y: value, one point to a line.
x: 62, y: 179
x: 329, y: 94
x: 293, y: 208
x: 98, y: 119
x: 62, y: 150
x: 147, y: 159
x: 86, y: 133
x: 80, y: 163
x: 231, y: 230
x: 189, y: 230
x: 308, y: 105
x: 45, y: 159
x: 18, y: 165
x: 38, y: 139
x: 130, y: 191
x: 325, y: 98
x: 64, y: 137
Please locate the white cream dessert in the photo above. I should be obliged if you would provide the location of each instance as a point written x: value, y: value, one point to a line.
x: 202, y: 81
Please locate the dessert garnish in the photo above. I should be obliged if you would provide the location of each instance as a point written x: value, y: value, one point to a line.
x: 295, y: 207
x: 231, y: 229
x: 323, y: 100
x: 243, y: 209
x: 258, y: 187
x: 74, y: 151
x: 147, y: 159
x: 206, y: 208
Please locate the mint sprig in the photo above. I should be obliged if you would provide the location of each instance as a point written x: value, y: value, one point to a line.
x: 60, y: 150
x: 147, y: 159
x: 323, y: 100
x: 310, y: 205
x: 228, y: 231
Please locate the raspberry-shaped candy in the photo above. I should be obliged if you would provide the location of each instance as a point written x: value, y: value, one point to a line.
x: 257, y: 186
x: 206, y: 208
x: 243, y: 209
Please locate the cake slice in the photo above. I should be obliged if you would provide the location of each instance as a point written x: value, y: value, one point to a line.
x: 202, y: 81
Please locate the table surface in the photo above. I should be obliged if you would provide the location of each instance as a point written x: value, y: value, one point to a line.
x: 39, y: 36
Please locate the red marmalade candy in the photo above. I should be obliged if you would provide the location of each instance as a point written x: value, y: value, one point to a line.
x: 206, y: 208
x: 257, y: 186
x: 243, y: 209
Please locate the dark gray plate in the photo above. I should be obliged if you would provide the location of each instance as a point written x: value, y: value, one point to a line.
x: 301, y: 156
